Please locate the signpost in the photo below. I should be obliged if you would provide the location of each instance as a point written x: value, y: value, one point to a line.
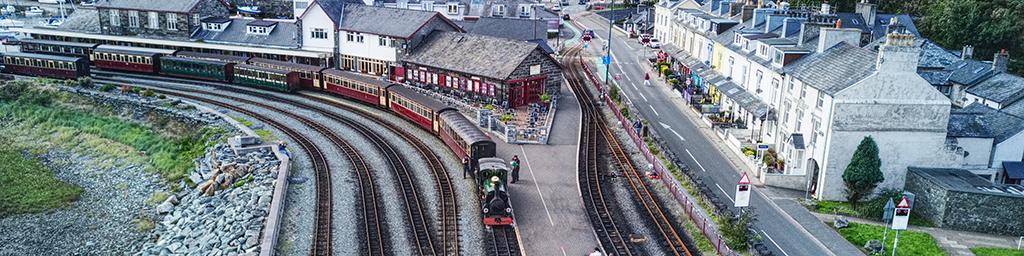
x: 900, y: 218
x: 887, y: 213
x: 743, y: 192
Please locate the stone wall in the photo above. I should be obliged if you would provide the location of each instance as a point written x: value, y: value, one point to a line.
x: 975, y: 211
x: 548, y: 67
x: 185, y: 22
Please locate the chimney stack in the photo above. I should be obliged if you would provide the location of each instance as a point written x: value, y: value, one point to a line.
x: 825, y: 8
x: 1000, y: 60
x: 868, y: 11
x: 829, y: 37
x: 967, y: 52
x: 899, y: 53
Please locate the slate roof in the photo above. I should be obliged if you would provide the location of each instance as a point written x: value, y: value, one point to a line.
x: 517, y: 29
x: 969, y: 72
x: 979, y: 121
x: 83, y: 20
x: 473, y: 54
x: 964, y: 180
x: 882, y: 23
x: 1002, y: 88
x: 333, y: 8
x: 464, y: 128
x: 41, y: 56
x: 393, y: 22
x: 284, y: 35
x: 835, y: 69
x: 150, y: 5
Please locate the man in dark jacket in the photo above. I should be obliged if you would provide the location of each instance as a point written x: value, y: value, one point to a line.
x: 515, y: 169
x: 465, y: 167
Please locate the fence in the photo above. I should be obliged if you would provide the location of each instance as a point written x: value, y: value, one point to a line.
x: 699, y: 218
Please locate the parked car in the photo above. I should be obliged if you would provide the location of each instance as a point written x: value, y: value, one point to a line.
x: 654, y: 44
x: 599, y: 7
x: 34, y: 11
x: 556, y: 8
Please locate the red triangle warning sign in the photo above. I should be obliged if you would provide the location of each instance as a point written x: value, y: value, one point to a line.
x: 744, y: 179
x: 903, y: 203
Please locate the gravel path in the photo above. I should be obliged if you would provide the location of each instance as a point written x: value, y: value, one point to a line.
x: 101, y: 221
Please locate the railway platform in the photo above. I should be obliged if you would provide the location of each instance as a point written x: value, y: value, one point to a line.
x: 548, y: 209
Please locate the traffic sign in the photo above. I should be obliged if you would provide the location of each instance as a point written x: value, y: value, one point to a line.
x: 887, y: 211
x: 901, y: 216
x: 605, y: 60
x: 742, y: 192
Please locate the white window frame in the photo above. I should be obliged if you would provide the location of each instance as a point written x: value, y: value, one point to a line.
x: 318, y: 33
x: 154, y: 20
x: 821, y: 99
x: 115, y: 17
x: 453, y: 9
x: 133, y: 18
x: 172, y: 21
x: 196, y: 19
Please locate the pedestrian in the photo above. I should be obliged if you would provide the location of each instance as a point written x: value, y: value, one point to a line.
x: 515, y: 168
x: 647, y: 79
x: 465, y: 167
x: 597, y: 252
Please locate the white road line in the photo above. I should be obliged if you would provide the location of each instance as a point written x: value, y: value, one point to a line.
x: 626, y: 43
x: 542, y: 201
x: 641, y: 94
x: 627, y: 77
x: 635, y: 88
x: 676, y: 133
x: 563, y: 251
x: 773, y: 242
x: 726, y: 193
x: 652, y: 109
x: 695, y: 161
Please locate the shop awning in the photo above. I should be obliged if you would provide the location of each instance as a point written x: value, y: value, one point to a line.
x: 1014, y: 170
x: 743, y: 98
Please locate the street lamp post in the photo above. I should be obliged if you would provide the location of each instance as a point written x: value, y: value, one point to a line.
x: 608, y: 51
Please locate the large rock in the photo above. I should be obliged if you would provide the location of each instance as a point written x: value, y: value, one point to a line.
x: 164, y: 207
x: 873, y: 246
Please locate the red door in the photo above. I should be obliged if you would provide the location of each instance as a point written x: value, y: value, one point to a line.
x: 517, y: 95
x: 535, y: 88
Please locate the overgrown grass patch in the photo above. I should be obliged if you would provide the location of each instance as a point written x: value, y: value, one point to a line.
x: 871, y: 209
x: 989, y: 251
x: 28, y: 186
x: 911, y: 242
x: 157, y: 198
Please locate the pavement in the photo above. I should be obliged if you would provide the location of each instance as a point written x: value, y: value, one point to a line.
x: 787, y: 228
x: 547, y: 204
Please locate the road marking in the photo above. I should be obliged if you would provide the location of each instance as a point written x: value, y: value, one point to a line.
x: 663, y: 125
x: 695, y: 161
x: 542, y: 201
x: 676, y: 133
x: 634, y: 87
x: 627, y: 77
x: 641, y: 94
x: 626, y: 43
x: 563, y: 251
x: 726, y: 193
x: 773, y: 242
x: 652, y: 109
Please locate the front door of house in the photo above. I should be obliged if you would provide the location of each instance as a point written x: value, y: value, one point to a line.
x: 517, y: 95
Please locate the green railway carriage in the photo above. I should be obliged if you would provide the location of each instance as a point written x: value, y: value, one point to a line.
x: 266, y: 78
x: 210, y: 70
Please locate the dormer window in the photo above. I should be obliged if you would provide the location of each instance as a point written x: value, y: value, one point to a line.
x: 498, y: 10
x: 736, y: 39
x: 763, y: 51
x: 524, y: 11
x: 260, y: 27
x: 453, y: 8
x: 216, y: 23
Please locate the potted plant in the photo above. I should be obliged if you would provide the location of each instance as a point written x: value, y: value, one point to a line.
x: 545, y: 99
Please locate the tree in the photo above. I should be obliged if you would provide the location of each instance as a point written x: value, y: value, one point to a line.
x: 864, y: 171
x: 988, y: 25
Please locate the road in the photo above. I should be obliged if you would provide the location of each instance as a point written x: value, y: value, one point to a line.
x: 784, y: 234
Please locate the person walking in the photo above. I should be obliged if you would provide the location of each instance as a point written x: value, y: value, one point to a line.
x: 515, y: 168
x: 647, y: 79
x: 465, y: 167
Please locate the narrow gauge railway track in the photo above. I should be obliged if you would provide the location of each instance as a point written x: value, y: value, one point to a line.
x: 449, y: 240
x: 502, y: 241
x: 597, y: 128
x: 322, y: 243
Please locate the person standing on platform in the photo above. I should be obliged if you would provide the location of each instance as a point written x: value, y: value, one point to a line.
x: 597, y: 252
x: 515, y: 168
x: 465, y: 167
x: 647, y: 79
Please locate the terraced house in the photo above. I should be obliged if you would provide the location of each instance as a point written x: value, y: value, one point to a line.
x: 156, y: 18
x: 797, y: 80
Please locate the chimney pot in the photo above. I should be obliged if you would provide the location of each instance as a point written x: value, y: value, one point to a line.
x: 967, y: 53
x: 1000, y: 61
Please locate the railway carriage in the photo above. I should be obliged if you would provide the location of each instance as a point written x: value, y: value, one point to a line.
x: 494, y: 204
x: 367, y: 89
x: 213, y: 56
x: 266, y: 78
x: 202, y: 69
x: 73, y: 49
x: 464, y: 138
x: 52, y: 66
x: 416, y: 107
x: 125, y: 58
x: 309, y: 75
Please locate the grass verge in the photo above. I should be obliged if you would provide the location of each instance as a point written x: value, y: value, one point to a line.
x: 28, y: 187
x: 871, y: 209
x: 911, y: 242
x: 989, y: 251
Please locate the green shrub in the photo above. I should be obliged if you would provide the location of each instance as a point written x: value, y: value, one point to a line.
x: 106, y: 87
x: 148, y: 93
x: 613, y: 93
x: 488, y: 107
x: 242, y: 182
x: 86, y: 82
x: 505, y: 118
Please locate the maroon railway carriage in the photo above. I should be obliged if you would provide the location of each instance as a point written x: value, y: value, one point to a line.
x: 52, y: 66
x: 309, y: 75
x: 125, y: 58
x: 416, y: 107
x: 365, y: 88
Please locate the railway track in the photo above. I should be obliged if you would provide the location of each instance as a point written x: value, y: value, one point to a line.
x: 502, y: 241
x: 595, y: 137
x: 448, y: 243
x: 372, y: 210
